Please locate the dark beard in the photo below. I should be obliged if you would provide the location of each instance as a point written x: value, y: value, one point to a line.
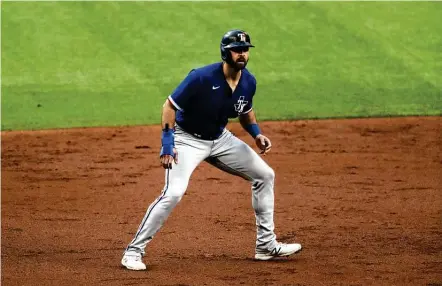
x: 240, y: 64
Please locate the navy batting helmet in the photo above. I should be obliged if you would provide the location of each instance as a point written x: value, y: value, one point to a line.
x: 233, y: 39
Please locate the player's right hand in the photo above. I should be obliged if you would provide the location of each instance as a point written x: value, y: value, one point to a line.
x: 167, y: 160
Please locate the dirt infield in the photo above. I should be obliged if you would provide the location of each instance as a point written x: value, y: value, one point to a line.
x: 363, y: 196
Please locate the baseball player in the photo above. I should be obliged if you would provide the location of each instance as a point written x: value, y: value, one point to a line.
x: 194, y: 118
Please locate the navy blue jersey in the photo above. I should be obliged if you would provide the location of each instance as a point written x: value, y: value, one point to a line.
x: 205, y: 101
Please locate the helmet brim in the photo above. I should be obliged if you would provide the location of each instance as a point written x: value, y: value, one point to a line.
x: 238, y: 44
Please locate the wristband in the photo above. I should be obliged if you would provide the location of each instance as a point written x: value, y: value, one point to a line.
x: 253, y: 130
x: 167, y: 142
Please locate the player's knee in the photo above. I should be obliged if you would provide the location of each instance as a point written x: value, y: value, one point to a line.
x: 267, y: 175
x: 176, y: 189
x: 172, y: 201
x: 175, y: 192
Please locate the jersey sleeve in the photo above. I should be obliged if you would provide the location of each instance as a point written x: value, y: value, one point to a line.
x: 248, y: 107
x: 184, y: 91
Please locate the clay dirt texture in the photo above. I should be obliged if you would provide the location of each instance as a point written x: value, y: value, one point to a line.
x: 363, y: 197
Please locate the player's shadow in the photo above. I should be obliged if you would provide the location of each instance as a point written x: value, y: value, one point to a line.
x: 289, y: 259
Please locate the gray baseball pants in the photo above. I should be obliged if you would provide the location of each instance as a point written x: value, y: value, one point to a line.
x: 227, y: 153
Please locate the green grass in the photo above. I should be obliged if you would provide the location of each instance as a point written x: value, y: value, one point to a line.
x: 73, y: 64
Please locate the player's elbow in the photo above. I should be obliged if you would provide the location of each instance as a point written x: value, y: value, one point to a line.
x: 244, y: 120
x: 168, y: 105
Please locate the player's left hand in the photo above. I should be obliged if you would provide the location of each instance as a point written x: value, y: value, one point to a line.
x: 263, y: 143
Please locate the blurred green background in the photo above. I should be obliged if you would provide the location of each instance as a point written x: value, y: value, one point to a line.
x: 78, y: 64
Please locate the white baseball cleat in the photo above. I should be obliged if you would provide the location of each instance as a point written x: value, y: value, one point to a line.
x: 132, y: 261
x: 280, y: 250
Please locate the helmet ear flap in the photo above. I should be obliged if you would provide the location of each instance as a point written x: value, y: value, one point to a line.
x: 223, y: 53
x: 226, y: 55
